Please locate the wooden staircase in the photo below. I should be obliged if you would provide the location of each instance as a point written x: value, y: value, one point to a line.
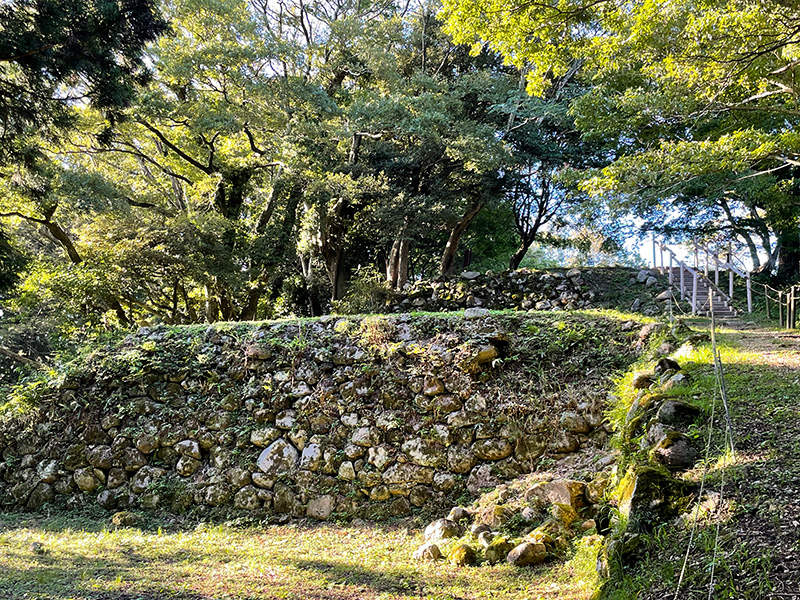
x: 708, y: 295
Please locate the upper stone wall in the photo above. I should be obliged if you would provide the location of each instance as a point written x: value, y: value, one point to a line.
x: 637, y: 290
x: 338, y: 416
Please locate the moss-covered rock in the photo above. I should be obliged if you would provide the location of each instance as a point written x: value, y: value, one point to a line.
x: 647, y: 496
x: 462, y: 555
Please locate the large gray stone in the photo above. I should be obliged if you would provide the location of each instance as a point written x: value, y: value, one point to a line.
x: 41, y: 495
x: 100, y: 457
x: 428, y: 551
x: 321, y: 507
x: 380, y: 456
x: 264, y: 436
x: 482, y: 478
x: 247, y: 499
x: 47, y: 471
x: 675, y: 451
x: 346, y: 471
x: 187, y: 466
x: 529, y: 449
x: 218, y: 494
x: 492, y: 449
x: 424, y: 453
x: 311, y: 457
x: 574, y: 422
x: 279, y: 457
x: 460, y: 459
x: 441, y: 529
x: 560, y: 491
x: 86, y: 480
x: 144, y: 478
x: 188, y: 448
x: 408, y: 473
x: 527, y: 553
x: 366, y: 436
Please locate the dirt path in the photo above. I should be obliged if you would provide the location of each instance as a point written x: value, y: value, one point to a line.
x: 762, y: 540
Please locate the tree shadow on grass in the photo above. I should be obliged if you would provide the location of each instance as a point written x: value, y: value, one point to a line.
x: 401, y: 583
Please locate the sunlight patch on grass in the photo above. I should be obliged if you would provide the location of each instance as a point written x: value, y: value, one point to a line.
x: 325, y: 561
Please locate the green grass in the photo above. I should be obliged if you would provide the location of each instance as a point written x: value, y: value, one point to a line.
x: 81, y: 559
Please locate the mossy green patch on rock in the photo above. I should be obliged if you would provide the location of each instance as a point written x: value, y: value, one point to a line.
x: 462, y: 555
x: 647, y: 496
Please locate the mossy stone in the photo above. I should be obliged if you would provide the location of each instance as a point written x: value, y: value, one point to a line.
x: 647, y: 496
x: 462, y: 555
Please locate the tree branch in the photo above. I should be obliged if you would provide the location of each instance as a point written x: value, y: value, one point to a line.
x: 192, y: 161
x: 20, y: 359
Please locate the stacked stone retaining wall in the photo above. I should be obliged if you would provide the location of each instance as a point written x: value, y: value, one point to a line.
x: 336, y: 417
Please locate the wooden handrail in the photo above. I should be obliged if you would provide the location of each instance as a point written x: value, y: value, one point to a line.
x: 713, y: 286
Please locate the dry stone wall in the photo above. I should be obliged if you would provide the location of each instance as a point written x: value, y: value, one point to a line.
x: 336, y: 417
x: 528, y: 289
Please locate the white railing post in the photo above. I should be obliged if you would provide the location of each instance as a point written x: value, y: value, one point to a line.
x: 730, y: 280
x: 653, y: 239
x: 694, y: 293
x: 749, y: 295
x: 671, y: 276
x: 683, y: 282
x: 705, y: 269
x: 716, y: 270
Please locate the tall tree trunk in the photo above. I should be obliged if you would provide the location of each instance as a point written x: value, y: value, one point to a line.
x: 397, y: 265
x: 402, y: 265
x: 447, y: 264
x: 517, y: 257
x: 391, y: 264
x: 212, y: 306
x: 336, y: 274
x: 789, y: 255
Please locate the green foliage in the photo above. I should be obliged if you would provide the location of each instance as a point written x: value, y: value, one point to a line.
x: 694, y: 104
x: 368, y: 293
x: 93, y: 48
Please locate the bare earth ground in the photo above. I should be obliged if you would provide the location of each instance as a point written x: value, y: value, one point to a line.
x: 758, y: 548
x: 767, y: 431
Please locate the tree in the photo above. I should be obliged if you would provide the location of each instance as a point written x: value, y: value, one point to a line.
x: 54, y: 55
x: 675, y: 86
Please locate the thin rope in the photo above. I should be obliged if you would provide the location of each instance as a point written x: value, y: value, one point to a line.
x: 716, y: 536
x: 706, y: 460
x: 696, y: 516
x: 728, y: 444
x: 719, y: 385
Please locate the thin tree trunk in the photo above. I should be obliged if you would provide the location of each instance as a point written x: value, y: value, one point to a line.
x: 391, y: 264
x: 516, y: 258
x: 447, y: 264
x: 397, y: 265
x: 55, y: 230
x: 212, y: 307
x: 402, y: 266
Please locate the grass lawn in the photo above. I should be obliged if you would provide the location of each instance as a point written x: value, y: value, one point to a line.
x: 74, y: 558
